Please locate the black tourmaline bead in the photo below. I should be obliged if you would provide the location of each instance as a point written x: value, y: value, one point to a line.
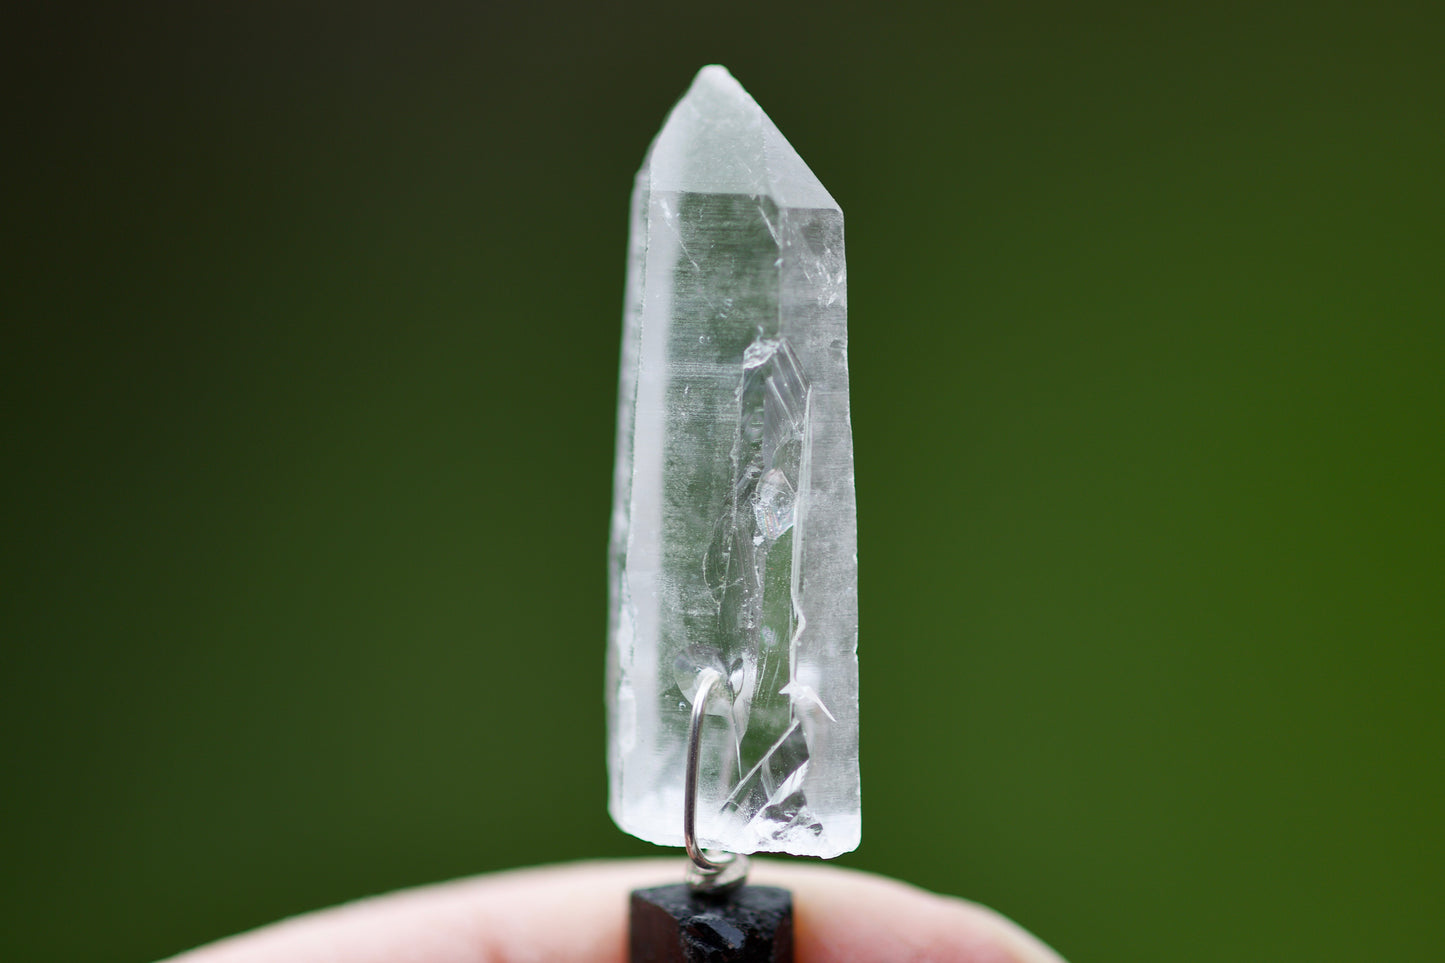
x: 672, y: 924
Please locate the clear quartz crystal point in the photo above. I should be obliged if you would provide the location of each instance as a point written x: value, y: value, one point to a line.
x: 734, y: 538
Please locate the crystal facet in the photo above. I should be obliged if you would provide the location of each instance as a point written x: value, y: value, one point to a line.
x: 733, y: 531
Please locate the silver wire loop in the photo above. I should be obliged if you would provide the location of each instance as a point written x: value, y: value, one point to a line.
x: 709, y: 872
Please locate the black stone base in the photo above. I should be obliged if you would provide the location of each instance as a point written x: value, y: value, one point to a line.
x: 672, y: 924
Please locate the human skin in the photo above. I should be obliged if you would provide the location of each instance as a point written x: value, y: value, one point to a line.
x: 578, y: 911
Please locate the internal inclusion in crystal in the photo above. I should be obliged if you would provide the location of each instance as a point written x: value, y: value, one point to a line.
x: 737, y: 413
x: 737, y: 410
x: 747, y: 623
x: 749, y: 568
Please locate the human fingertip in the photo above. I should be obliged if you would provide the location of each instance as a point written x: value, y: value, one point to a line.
x: 846, y: 916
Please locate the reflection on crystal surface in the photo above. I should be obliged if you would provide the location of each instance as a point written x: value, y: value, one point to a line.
x: 733, y: 528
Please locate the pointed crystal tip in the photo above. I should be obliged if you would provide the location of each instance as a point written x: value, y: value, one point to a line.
x: 717, y: 140
x: 717, y: 78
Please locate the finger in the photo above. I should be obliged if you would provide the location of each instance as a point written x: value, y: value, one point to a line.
x: 842, y: 916
x: 579, y: 911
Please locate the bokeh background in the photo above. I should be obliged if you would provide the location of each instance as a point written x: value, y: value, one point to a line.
x: 310, y: 333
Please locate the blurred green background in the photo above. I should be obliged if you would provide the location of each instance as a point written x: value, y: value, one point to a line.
x: 310, y: 333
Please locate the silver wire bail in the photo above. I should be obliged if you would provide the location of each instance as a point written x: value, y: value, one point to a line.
x: 710, y: 872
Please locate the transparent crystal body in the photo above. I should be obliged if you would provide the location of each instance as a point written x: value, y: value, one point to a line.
x: 734, y: 530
